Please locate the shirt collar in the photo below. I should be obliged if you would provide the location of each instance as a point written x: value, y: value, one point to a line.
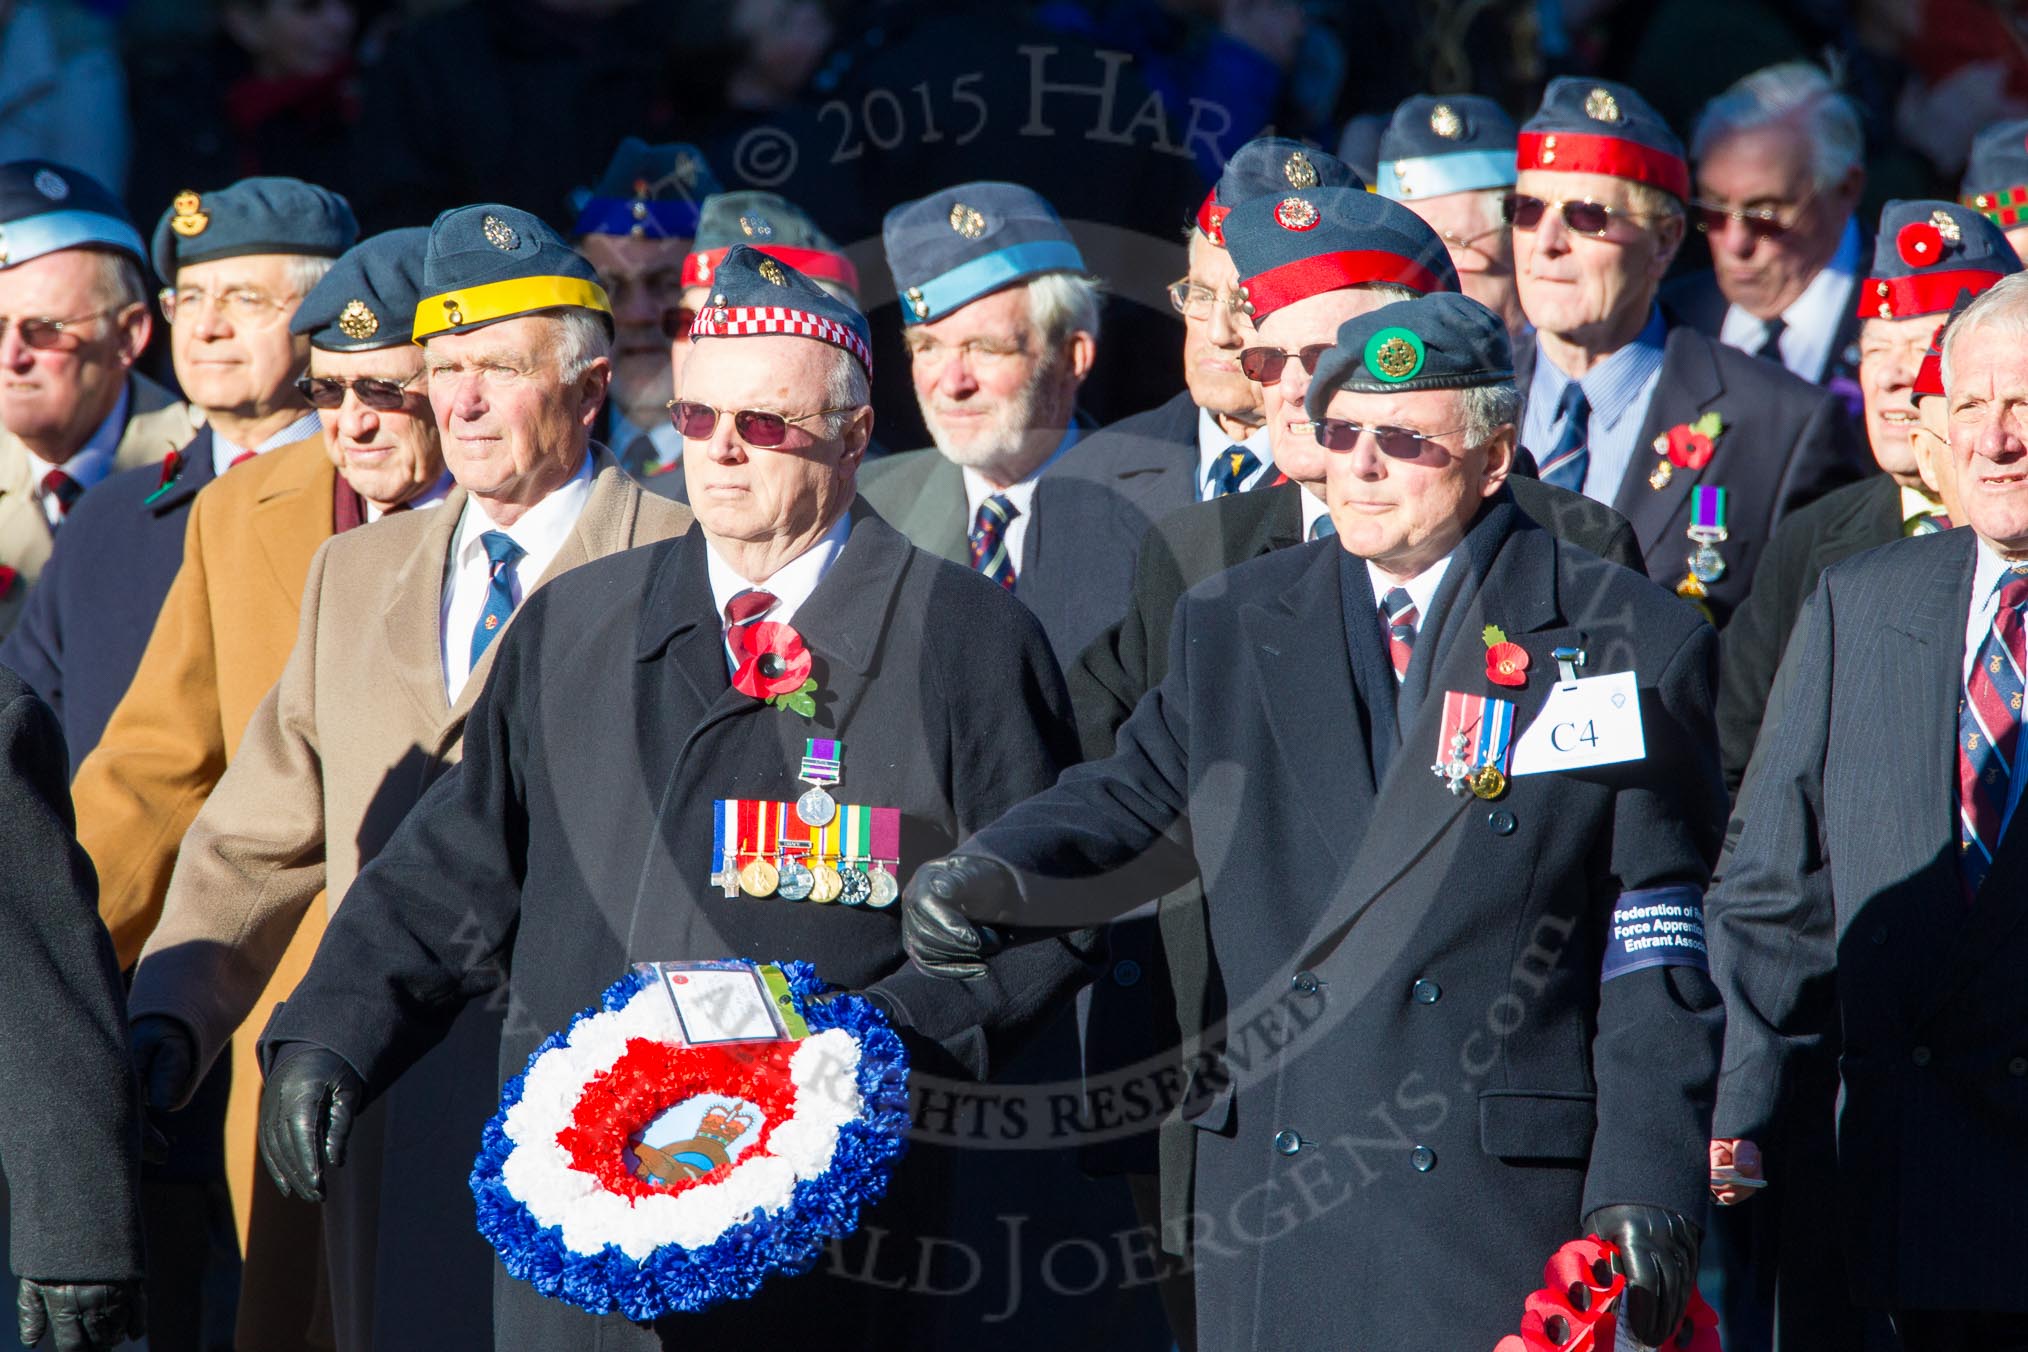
x: 94, y: 460
x: 1314, y: 507
x: 540, y: 531
x: 429, y: 497
x: 1421, y: 588
x: 1987, y: 574
x: 1613, y: 387
x: 977, y: 490
x: 790, y: 584
x: 1812, y: 318
x: 1212, y: 442
x: 224, y: 452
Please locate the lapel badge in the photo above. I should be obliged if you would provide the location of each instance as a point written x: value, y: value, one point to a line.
x: 1506, y: 661
x: 499, y: 234
x: 1601, y: 106
x: 188, y: 218
x: 356, y: 321
x: 967, y: 221
x: 1298, y: 170
x: 1445, y: 122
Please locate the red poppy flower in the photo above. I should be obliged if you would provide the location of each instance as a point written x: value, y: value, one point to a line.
x: 1688, y: 449
x: 775, y: 662
x: 1919, y: 243
x: 1506, y: 664
x: 7, y: 576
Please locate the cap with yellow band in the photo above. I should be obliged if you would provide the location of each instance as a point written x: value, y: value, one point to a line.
x: 491, y: 262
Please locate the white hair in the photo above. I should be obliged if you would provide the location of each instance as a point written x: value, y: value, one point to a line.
x: 1796, y: 90
x: 2002, y: 308
x: 120, y: 282
x: 1488, y: 408
x: 1063, y: 303
x: 847, y: 387
x: 582, y: 338
x: 1388, y: 291
x: 306, y: 270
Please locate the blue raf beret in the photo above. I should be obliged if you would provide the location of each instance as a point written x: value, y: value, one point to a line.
x: 1598, y: 127
x: 1440, y: 342
x: 754, y: 295
x: 647, y: 192
x: 952, y: 247
x: 775, y: 226
x: 1926, y: 254
x: 46, y: 206
x: 253, y: 216
x: 1996, y: 179
x: 491, y: 262
x: 1269, y: 165
x: 1305, y: 243
x: 368, y: 298
x: 1456, y: 143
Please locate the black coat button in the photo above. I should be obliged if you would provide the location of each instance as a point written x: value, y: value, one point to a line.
x: 2018, y: 1066
x: 1126, y: 971
x: 1287, y: 1143
x: 1423, y: 1158
x: 1879, y: 936
x: 1425, y: 992
x: 1502, y: 821
x: 1920, y: 1056
x: 1305, y: 983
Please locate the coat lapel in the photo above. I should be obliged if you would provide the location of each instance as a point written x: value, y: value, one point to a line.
x: 412, y: 619
x: 157, y: 423
x: 292, y: 515
x: 25, y: 536
x: 936, y: 518
x: 1689, y: 385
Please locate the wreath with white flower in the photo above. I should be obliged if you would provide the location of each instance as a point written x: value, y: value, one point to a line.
x: 629, y: 1171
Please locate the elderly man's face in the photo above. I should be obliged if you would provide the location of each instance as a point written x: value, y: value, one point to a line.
x: 512, y: 428
x: 1307, y: 322
x: 755, y: 494
x: 1890, y: 355
x: 642, y: 278
x: 1589, y: 289
x: 1480, y: 245
x: 688, y: 303
x: 994, y: 393
x: 230, y: 340
x: 54, y: 397
x: 1988, y: 398
x: 1212, y: 342
x: 1768, y: 169
x: 387, y: 455
x: 1405, y: 504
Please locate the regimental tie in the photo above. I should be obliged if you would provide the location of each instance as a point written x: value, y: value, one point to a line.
x: 502, y: 554
x: 1398, y: 618
x: 63, y: 490
x: 1323, y: 527
x: 743, y: 610
x: 1231, y: 470
x: 989, y: 539
x: 1926, y: 523
x: 1570, y: 457
x: 1989, y: 730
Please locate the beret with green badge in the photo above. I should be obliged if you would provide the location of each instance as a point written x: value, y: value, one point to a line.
x: 1442, y: 341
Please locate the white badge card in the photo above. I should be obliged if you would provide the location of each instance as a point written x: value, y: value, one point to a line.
x: 720, y: 1002
x: 1595, y: 721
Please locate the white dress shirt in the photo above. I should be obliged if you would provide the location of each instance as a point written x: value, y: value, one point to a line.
x: 1986, y: 579
x: 1421, y: 589
x: 1212, y: 442
x: 790, y: 584
x: 224, y: 452
x: 429, y: 497
x: 1021, y: 494
x: 540, y: 532
x: 1812, y: 319
x: 1314, y: 506
x: 91, y: 462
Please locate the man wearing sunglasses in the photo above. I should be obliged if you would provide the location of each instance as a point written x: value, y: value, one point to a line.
x: 1780, y: 168
x: 1651, y: 419
x: 73, y: 319
x: 1450, y: 160
x: 1384, y: 1133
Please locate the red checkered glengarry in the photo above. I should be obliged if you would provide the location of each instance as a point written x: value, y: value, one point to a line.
x: 746, y: 321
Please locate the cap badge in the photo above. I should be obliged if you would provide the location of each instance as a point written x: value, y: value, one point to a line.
x: 453, y: 315
x: 499, y: 234
x: 356, y: 321
x: 1394, y: 354
x: 51, y: 185
x: 188, y: 219
x: 917, y: 303
x: 1919, y: 243
x: 771, y: 271
x: 967, y: 221
x: 1945, y: 226
x: 1445, y: 122
x: 1293, y: 213
x: 1601, y: 106
x: 756, y: 227
x: 1298, y: 170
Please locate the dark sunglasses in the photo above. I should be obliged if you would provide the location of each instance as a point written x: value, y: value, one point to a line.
x: 328, y: 392
x: 1764, y: 223
x: 1264, y: 365
x: 676, y: 322
x: 1396, y: 443
x: 696, y: 422
x: 1584, y: 218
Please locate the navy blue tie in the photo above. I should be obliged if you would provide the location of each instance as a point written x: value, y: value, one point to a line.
x: 1570, y: 457
x: 504, y: 554
x: 1231, y: 470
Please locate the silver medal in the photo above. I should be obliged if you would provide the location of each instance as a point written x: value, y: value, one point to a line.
x: 816, y: 807
x: 796, y: 880
x: 885, y: 889
x: 1707, y: 564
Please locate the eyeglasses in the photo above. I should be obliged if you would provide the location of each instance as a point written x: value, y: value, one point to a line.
x: 676, y: 323
x: 1584, y: 218
x: 1471, y: 242
x: 1264, y: 365
x: 697, y: 422
x: 328, y: 392
x: 1396, y: 443
x: 1711, y: 218
x: 241, y: 305
x: 47, y: 335
x: 1195, y: 302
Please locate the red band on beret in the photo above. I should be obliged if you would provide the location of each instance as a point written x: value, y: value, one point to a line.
x: 816, y: 263
x: 1928, y: 376
x: 1924, y: 293
x: 1578, y: 153
x: 1211, y: 218
x: 1313, y: 276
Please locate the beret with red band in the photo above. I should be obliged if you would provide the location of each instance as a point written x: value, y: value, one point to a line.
x: 1269, y: 166
x: 1928, y: 253
x: 1929, y: 376
x: 1598, y: 127
x: 1996, y: 178
x: 774, y: 225
x: 1305, y: 243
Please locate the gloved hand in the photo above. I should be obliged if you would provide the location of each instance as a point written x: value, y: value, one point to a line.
x: 165, y: 1058
x: 934, y: 929
x: 1658, y: 1255
x: 307, y: 1108
x: 80, y: 1316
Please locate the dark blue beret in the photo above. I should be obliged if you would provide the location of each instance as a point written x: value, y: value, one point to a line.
x: 46, y: 206
x: 753, y: 294
x: 1438, y: 342
x: 1269, y: 166
x: 1438, y: 145
x: 1996, y: 180
x: 954, y: 246
x: 775, y: 226
x: 1359, y: 145
x: 491, y: 262
x: 1926, y: 253
x: 368, y: 298
x: 1598, y: 127
x: 1325, y: 239
x: 253, y: 216
x: 647, y: 192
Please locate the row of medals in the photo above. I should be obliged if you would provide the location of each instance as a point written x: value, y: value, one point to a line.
x: 1462, y: 777
x: 791, y: 879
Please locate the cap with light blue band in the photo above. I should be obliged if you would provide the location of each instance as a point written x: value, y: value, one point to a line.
x: 1436, y: 146
x: 955, y: 246
x: 45, y: 207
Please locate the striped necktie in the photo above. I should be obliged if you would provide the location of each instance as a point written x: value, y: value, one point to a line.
x: 1231, y: 470
x: 1570, y: 457
x: 63, y: 490
x: 1398, y: 617
x: 502, y: 554
x: 743, y: 611
x: 989, y: 539
x: 1989, y: 729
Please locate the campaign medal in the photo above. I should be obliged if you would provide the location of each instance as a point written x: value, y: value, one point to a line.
x: 822, y: 862
x: 825, y: 884
x: 1707, y: 531
x: 856, y: 887
x: 884, y: 889
x: 886, y: 842
x: 856, y: 848
x: 759, y: 830
x: 1474, y: 742
x: 724, y: 853
x: 797, y: 880
x: 823, y: 762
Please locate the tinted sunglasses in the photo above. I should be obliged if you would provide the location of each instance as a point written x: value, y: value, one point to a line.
x: 696, y: 422
x: 1396, y: 443
x: 676, y: 322
x: 1584, y: 218
x: 328, y: 392
x: 1264, y: 365
x: 1711, y: 219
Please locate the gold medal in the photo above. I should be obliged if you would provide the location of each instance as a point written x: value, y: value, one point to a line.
x: 759, y: 879
x: 1488, y: 782
x: 827, y: 884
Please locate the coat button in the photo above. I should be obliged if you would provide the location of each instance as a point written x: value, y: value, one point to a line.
x: 1920, y: 1056
x: 1879, y: 937
x: 1502, y: 822
x: 1425, y: 992
x: 2018, y: 1066
x: 1287, y: 1143
x: 1305, y: 983
x: 1126, y: 971
x: 1423, y: 1158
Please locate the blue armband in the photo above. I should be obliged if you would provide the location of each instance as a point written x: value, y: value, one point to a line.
x: 1656, y: 927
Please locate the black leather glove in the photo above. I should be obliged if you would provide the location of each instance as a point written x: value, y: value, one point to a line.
x: 307, y: 1108
x: 80, y: 1316
x: 1658, y: 1255
x: 165, y: 1059
x: 933, y: 925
